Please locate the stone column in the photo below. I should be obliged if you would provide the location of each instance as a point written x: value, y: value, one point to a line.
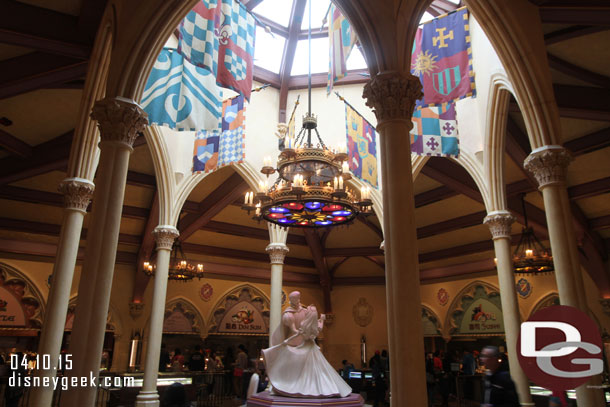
x: 548, y: 164
x: 277, y: 250
x: 77, y: 195
x: 499, y: 223
x: 164, y: 237
x: 392, y: 95
x: 120, y: 121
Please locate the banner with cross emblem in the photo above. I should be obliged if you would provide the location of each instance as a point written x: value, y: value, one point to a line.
x: 442, y: 59
x: 435, y: 131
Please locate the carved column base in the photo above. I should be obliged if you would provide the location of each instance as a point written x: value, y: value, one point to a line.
x: 147, y: 399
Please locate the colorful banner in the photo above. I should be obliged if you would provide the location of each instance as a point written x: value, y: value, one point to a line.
x: 341, y: 42
x: 435, y: 131
x: 180, y: 95
x: 442, y: 59
x: 361, y: 146
x: 220, y: 38
x: 217, y: 148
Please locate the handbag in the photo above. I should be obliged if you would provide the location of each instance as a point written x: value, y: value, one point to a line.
x: 238, y: 372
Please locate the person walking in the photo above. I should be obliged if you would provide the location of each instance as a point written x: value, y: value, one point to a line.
x: 499, y: 389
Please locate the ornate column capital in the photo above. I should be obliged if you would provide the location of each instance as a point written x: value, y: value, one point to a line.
x: 392, y: 95
x: 77, y: 193
x: 136, y: 309
x: 499, y: 224
x: 277, y: 252
x: 548, y: 165
x: 119, y: 119
x: 165, y: 236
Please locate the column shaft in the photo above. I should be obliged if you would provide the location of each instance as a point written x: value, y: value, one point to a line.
x: 275, y: 312
x: 392, y: 95
x: 120, y: 120
x: 148, y: 395
x: 512, y: 319
x: 77, y: 194
x: 548, y: 164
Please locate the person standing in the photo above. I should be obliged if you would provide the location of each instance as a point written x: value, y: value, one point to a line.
x: 196, y: 361
x: 499, y: 389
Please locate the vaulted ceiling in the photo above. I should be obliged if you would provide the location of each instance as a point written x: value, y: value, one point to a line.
x: 44, y: 51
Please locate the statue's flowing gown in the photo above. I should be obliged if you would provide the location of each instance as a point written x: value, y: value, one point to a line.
x: 302, y: 371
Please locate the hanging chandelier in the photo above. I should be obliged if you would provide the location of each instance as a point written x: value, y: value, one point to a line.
x: 531, y: 257
x: 180, y: 269
x: 311, y: 189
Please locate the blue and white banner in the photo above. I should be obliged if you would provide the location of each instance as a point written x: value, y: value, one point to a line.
x: 180, y: 95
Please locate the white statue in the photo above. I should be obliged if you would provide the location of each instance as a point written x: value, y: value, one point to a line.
x: 295, y: 365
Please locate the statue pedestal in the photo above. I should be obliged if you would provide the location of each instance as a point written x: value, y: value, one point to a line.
x: 264, y: 399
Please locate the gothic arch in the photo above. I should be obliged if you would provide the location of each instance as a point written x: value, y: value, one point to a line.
x: 495, y: 139
x: 24, y: 289
x: 427, y: 313
x: 114, y: 322
x: 546, y: 301
x: 190, y: 310
x: 243, y: 292
x: 456, y: 309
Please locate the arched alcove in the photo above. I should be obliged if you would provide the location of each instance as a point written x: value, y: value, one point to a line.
x: 21, y: 303
x: 245, y: 308
x: 476, y: 310
x: 183, y: 317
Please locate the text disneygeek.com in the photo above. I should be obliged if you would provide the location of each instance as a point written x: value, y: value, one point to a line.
x: 17, y: 380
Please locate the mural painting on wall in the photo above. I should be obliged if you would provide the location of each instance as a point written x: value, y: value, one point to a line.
x: 524, y: 288
x: 443, y: 296
x: 362, y: 312
x: 479, y: 311
x: 243, y: 311
x: 20, y: 300
x: 206, y: 292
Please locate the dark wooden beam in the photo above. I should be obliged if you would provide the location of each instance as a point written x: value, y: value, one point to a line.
x: 578, y: 72
x: 139, y: 179
x: 434, y: 195
x: 320, y: 80
x: 452, y: 175
x: 14, y: 146
x: 372, y: 280
x: 376, y: 261
x: 457, y: 270
x: 303, y: 34
x: 569, y: 33
x: 376, y: 229
x: 146, y: 250
x: 578, y: 14
x: 462, y: 250
x: 264, y: 76
x: 290, y: 47
x: 589, y: 189
x: 589, y: 143
x: 90, y: 16
x: 244, y: 273
x: 242, y: 255
x: 42, y: 29
x: 317, y: 253
x: 273, y: 26
x: 335, y: 267
x: 49, y: 229
x: 49, y: 156
x: 54, y: 199
x: 211, y: 206
x: 603, y: 222
x: 474, y: 219
x: 583, y: 102
x: 48, y: 251
x: 249, y: 232
x: 38, y: 70
x: 352, y: 251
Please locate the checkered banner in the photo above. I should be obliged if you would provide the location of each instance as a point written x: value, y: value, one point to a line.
x: 180, y: 95
x: 219, y: 35
x: 435, y: 131
x: 217, y: 148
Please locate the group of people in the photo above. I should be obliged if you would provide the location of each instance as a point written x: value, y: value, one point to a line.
x: 198, y: 360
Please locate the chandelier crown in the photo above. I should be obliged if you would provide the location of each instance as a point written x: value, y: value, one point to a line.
x: 180, y: 268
